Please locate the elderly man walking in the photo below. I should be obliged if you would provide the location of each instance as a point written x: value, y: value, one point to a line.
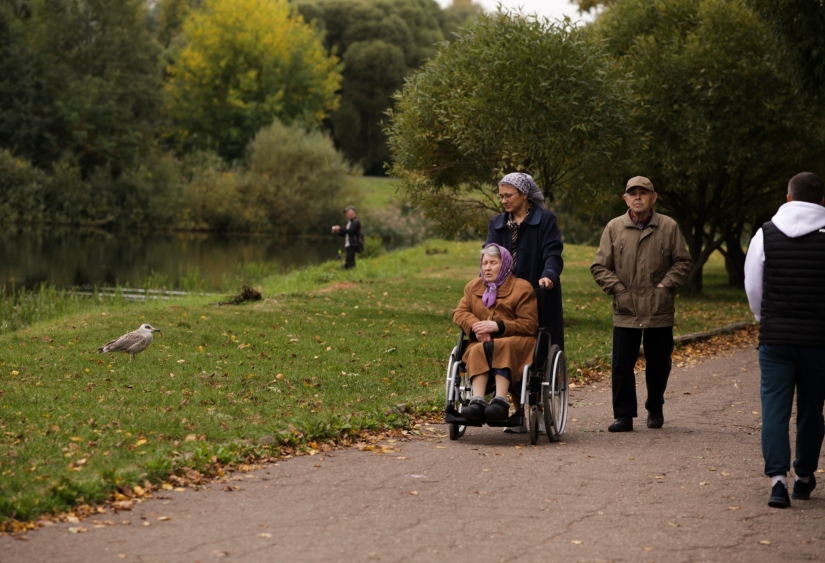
x: 784, y: 273
x: 640, y: 262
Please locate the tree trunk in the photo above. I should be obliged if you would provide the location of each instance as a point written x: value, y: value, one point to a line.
x: 735, y: 260
x: 694, y: 284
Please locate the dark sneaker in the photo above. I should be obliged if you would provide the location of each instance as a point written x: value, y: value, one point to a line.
x: 655, y: 419
x: 475, y: 410
x: 779, y: 496
x: 802, y: 491
x: 621, y: 424
x: 498, y: 409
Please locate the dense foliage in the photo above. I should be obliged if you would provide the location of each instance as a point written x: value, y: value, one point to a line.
x: 725, y: 128
x: 380, y: 43
x: 509, y: 93
x: 245, y: 63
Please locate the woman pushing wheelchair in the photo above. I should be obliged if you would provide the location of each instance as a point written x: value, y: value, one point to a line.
x: 499, y: 313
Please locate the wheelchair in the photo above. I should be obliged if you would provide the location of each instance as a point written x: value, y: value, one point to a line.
x: 544, y: 391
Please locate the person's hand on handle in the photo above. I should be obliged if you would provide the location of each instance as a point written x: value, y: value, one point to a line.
x: 546, y: 283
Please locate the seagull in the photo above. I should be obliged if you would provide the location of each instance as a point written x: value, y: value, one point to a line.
x: 132, y: 342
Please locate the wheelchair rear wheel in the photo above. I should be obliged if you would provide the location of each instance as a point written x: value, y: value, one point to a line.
x: 554, y: 393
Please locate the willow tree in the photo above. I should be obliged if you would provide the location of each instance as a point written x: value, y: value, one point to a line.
x: 725, y: 127
x: 509, y: 93
x: 243, y: 64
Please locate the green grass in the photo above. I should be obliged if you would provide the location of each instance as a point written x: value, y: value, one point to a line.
x: 328, y: 353
x: 377, y: 192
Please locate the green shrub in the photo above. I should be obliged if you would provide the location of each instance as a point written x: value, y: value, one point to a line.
x: 298, y: 179
x: 22, y: 190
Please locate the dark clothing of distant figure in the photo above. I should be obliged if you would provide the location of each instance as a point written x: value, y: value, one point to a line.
x: 351, y: 235
x: 537, y: 255
x: 633, y: 259
x: 784, y: 272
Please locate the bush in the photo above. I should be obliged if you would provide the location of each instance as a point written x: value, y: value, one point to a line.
x: 297, y: 179
x: 22, y: 190
x: 397, y: 224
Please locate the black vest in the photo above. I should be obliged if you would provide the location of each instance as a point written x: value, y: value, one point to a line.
x: 793, y: 289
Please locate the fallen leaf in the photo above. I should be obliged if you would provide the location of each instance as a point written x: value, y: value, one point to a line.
x: 674, y: 524
x: 733, y: 508
x: 441, y: 447
x: 264, y: 535
x: 703, y: 483
x: 764, y: 542
x: 414, y: 493
x: 147, y: 523
x: 78, y: 530
x: 164, y: 518
x: 576, y: 542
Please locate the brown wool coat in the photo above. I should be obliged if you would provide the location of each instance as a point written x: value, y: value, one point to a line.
x: 517, y: 308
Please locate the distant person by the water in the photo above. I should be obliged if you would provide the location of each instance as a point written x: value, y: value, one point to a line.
x: 352, y: 236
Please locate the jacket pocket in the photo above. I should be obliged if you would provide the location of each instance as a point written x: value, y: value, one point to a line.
x: 663, y: 301
x: 623, y: 303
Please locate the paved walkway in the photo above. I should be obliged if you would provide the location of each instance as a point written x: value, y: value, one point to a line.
x: 692, y: 491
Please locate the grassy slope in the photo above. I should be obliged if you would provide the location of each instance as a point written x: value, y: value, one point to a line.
x: 329, y: 352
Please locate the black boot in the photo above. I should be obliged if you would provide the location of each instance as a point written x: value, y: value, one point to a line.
x: 475, y: 410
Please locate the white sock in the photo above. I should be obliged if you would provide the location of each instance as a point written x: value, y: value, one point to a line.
x: 779, y: 479
x: 803, y: 479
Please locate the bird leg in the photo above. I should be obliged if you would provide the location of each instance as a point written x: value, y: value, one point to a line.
x: 131, y: 357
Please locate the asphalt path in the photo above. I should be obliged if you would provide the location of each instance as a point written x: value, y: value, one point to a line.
x: 692, y: 491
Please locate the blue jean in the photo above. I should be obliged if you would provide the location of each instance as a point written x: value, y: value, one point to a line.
x: 783, y: 369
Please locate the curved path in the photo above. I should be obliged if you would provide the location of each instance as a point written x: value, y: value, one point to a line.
x: 692, y: 491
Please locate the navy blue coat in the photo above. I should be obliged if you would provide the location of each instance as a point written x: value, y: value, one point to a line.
x: 538, y: 255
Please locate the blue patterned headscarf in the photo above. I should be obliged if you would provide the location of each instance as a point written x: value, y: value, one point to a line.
x: 526, y: 185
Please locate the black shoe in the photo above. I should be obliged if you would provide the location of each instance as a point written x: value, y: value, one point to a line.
x: 802, y: 491
x: 779, y: 496
x: 621, y: 424
x: 498, y: 409
x: 475, y: 410
x: 655, y: 419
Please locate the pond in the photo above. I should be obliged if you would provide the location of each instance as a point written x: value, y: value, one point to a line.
x: 71, y: 258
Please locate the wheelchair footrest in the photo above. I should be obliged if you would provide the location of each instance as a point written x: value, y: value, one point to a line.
x: 451, y: 416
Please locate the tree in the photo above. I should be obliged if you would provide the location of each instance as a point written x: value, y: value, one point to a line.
x: 724, y: 127
x: 245, y: 63
x: 799, y: 25
x: 22, y: 122
x: 380, y: 43
x: 509, y: 93
x: 98, y: 77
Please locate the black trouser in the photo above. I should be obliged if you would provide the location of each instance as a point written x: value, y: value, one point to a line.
x: 350, y: 263
x: 658, y: 348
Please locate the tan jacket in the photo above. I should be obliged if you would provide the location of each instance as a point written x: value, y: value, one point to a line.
x: 516, y: 307
x: 631, y: 263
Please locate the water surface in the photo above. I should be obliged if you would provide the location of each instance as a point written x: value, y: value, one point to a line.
x: 68, y: 258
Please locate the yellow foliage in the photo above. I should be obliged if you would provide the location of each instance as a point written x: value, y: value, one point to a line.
x: 244, y: 63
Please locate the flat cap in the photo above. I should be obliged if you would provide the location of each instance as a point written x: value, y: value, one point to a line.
x: 639, y: 182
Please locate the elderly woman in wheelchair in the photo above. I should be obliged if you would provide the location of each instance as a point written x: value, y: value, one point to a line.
x: 499, y: 313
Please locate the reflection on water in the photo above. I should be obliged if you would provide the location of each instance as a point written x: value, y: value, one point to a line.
x: 72, y: 257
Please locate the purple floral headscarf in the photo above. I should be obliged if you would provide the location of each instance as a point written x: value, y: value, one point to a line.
x: 490, y: 294
x: 526, y: 185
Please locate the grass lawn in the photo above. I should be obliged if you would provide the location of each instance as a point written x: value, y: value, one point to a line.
x: 328, y: 353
